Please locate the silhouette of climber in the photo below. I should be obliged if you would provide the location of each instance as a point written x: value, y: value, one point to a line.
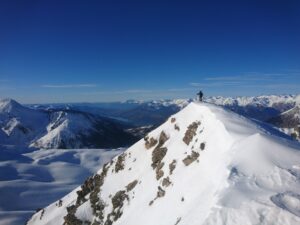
x: 200, y: 96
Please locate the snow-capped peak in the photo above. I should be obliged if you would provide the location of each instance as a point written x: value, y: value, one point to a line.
x: 9, y: 105
x: 204, y: 165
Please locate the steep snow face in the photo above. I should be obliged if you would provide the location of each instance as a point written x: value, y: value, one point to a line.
x: 205, y: 165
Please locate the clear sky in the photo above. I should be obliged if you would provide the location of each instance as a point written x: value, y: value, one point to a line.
x: 107, y: 50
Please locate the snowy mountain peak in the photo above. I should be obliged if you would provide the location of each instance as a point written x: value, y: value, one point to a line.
x: 9, y: 105
x: 204, y: 165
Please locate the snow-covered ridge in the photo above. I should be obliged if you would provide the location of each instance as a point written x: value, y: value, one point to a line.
x: 7, y: 105
x: 263, y: 100
x: 38, y: 128
x: 205, y: 165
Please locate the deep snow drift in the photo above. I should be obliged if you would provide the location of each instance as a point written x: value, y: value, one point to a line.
x: 205, y: 165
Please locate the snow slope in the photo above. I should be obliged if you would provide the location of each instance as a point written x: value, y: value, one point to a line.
x: 33, y: 180
x: 205, y: 165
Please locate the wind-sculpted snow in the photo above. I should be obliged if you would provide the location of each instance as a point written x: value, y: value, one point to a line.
x: 230, y: 171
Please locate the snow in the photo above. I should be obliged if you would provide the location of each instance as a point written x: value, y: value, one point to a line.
x: 264, y: 100
x: 29, y: 181
x: 64, y: 127
x: 19, y: 124
x: 53, y: 129
x: 246, y: 174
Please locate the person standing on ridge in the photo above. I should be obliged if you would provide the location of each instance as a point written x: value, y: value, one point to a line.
x: 200, y: 96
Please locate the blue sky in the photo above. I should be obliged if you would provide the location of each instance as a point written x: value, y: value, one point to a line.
x: 74, y: 51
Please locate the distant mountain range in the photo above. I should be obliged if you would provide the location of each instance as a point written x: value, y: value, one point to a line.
x: 283, y: 111
x: 59, y: 128
x: 261, y: 108
x: 139, y: 113
x: 82, y: 125
x: 118, y: 124
x: 289, y: 121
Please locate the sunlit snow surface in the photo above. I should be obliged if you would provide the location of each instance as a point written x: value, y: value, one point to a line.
x: 246, y: 174
x: 34, y: 180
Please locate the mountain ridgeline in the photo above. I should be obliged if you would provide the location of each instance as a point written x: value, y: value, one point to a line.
x: 110, y: 125
x: 39, y: 128
x: 204, y: 166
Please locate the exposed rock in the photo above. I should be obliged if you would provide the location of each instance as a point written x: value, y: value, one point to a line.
x: 172, y: 166
x: 191, y: 158
x: 162, y: 139
x: 191, y: 132
x: 118, y: 199
x: 120, y: 162
x: 166, y: 182
x: 202, y: 146
x: 173, y: 120
x: 42, y: 214
x: 178, y: 221
x: 108, y: 222
x: 86, y: 188
x: 131, y: 185
x: 117, y: 203
x: 176, y: 127
x: 159, y: 171
x: 150, y: 142
x: 160, y: 193
x: 96, y: 223
x: 97, y: 204
x: 157, y: 155
x: 159, y: 152
x: 71, y: 209
x: 70, y: 218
